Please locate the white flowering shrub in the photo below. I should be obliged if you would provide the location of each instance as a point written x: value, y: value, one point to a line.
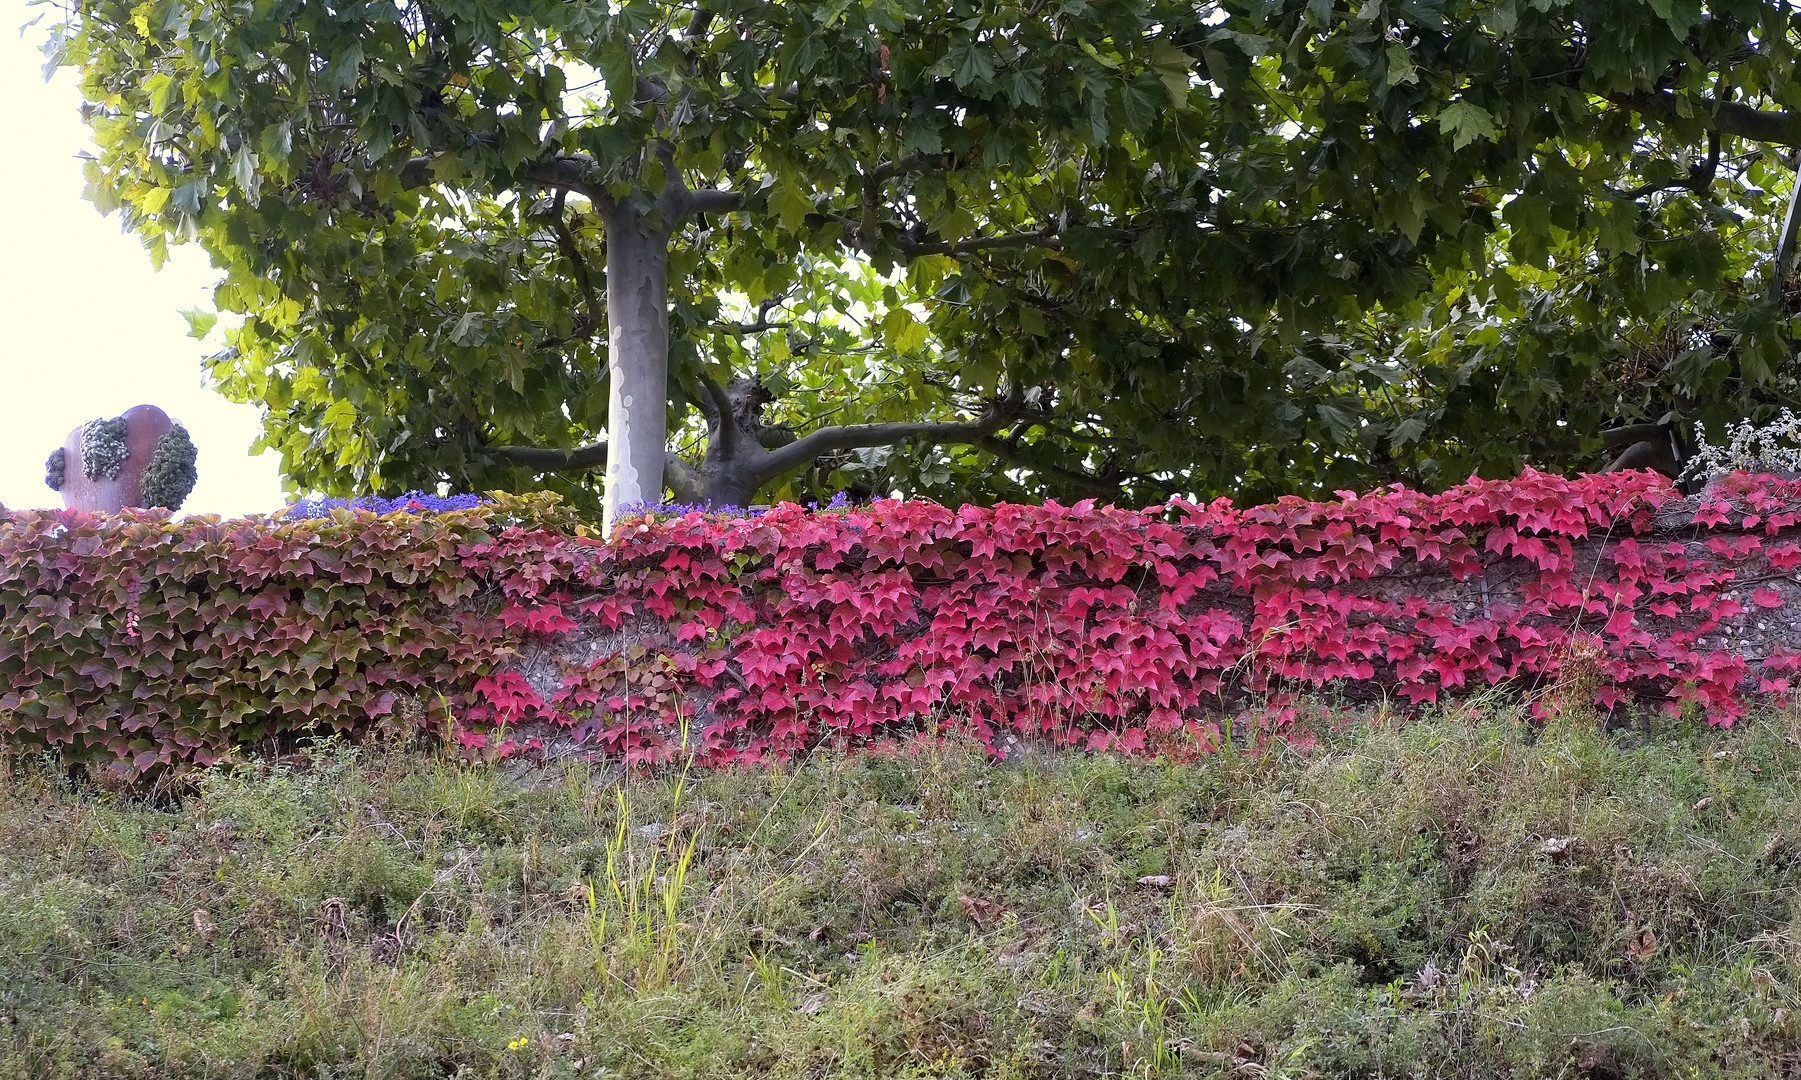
x: 1773, y: 447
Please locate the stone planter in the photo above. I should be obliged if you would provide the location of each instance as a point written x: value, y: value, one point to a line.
x: 140, y: 458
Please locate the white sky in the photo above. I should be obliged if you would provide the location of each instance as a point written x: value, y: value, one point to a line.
x: 87, y: 329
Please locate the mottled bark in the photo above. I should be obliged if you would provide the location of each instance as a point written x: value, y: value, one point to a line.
x: 637, y: 358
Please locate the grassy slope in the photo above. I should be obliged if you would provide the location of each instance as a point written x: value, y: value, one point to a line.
x: 1456, y: 898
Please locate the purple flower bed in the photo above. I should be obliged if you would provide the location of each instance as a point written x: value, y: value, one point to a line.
x: 414, y: 502
x: 675, y: 509
x: 840, y: 501
x: 419, y: 502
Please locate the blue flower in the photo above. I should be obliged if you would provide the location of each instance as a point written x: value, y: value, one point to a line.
x: 665, y: 509
x: 412, y: 502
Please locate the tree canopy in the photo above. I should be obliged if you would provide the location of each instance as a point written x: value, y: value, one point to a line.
x: 986, y: 249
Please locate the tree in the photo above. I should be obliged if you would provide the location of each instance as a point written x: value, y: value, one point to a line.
x: 1121, y: 247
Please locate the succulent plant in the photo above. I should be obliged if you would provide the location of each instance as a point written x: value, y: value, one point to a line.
x: 170, y: 475
x: 103, y: 448
x: 56, y: 468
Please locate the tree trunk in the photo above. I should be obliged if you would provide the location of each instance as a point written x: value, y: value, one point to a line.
x: 730, y: 482
x: 736, y: 464
x: 637, y: 359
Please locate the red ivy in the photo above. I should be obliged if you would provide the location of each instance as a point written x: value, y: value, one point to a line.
x: 752, y: 638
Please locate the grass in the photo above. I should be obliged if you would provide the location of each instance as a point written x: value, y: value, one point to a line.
x: 1463, y: 896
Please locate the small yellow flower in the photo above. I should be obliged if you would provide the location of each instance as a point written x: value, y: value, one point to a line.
x: 520, y: 1043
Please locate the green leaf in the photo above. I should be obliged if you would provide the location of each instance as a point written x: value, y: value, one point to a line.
x: 1139, y: 103
x: 1465, y: 122
x: 1172, y: 63
x: 619, y: 72
x: 1031, y: 321
x: 160, y: 87
x: 971, y: 62
x: 278, y: 140
x: 200, y: 322
x: 341, y: 72
x: 243, y: 171
x: 340, y: 415
x: 1407, y: 431
x: 790, y: 203
x: 1502, y: 18
x: 1400, y: 65
x: 904, y: 333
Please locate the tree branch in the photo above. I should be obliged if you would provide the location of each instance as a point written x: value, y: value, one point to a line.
x: 758, y: 327
x: 1700, y: 175
x: 761, y: 323
x: 699, y: 23
x: 546, y: 459
x: 712, y: 201
x: 1726, y: 117
x: 566, y: 241
x: 911, y: 163
x: 1081, y: 481
x: 678, y: 475
x: 1045, y: 238
x: 570, y: 174
x: 804, y: 450
x: 681, y: 479
x: 725, y: 426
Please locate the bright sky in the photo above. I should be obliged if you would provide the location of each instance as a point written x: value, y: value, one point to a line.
x: 87, y: 329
